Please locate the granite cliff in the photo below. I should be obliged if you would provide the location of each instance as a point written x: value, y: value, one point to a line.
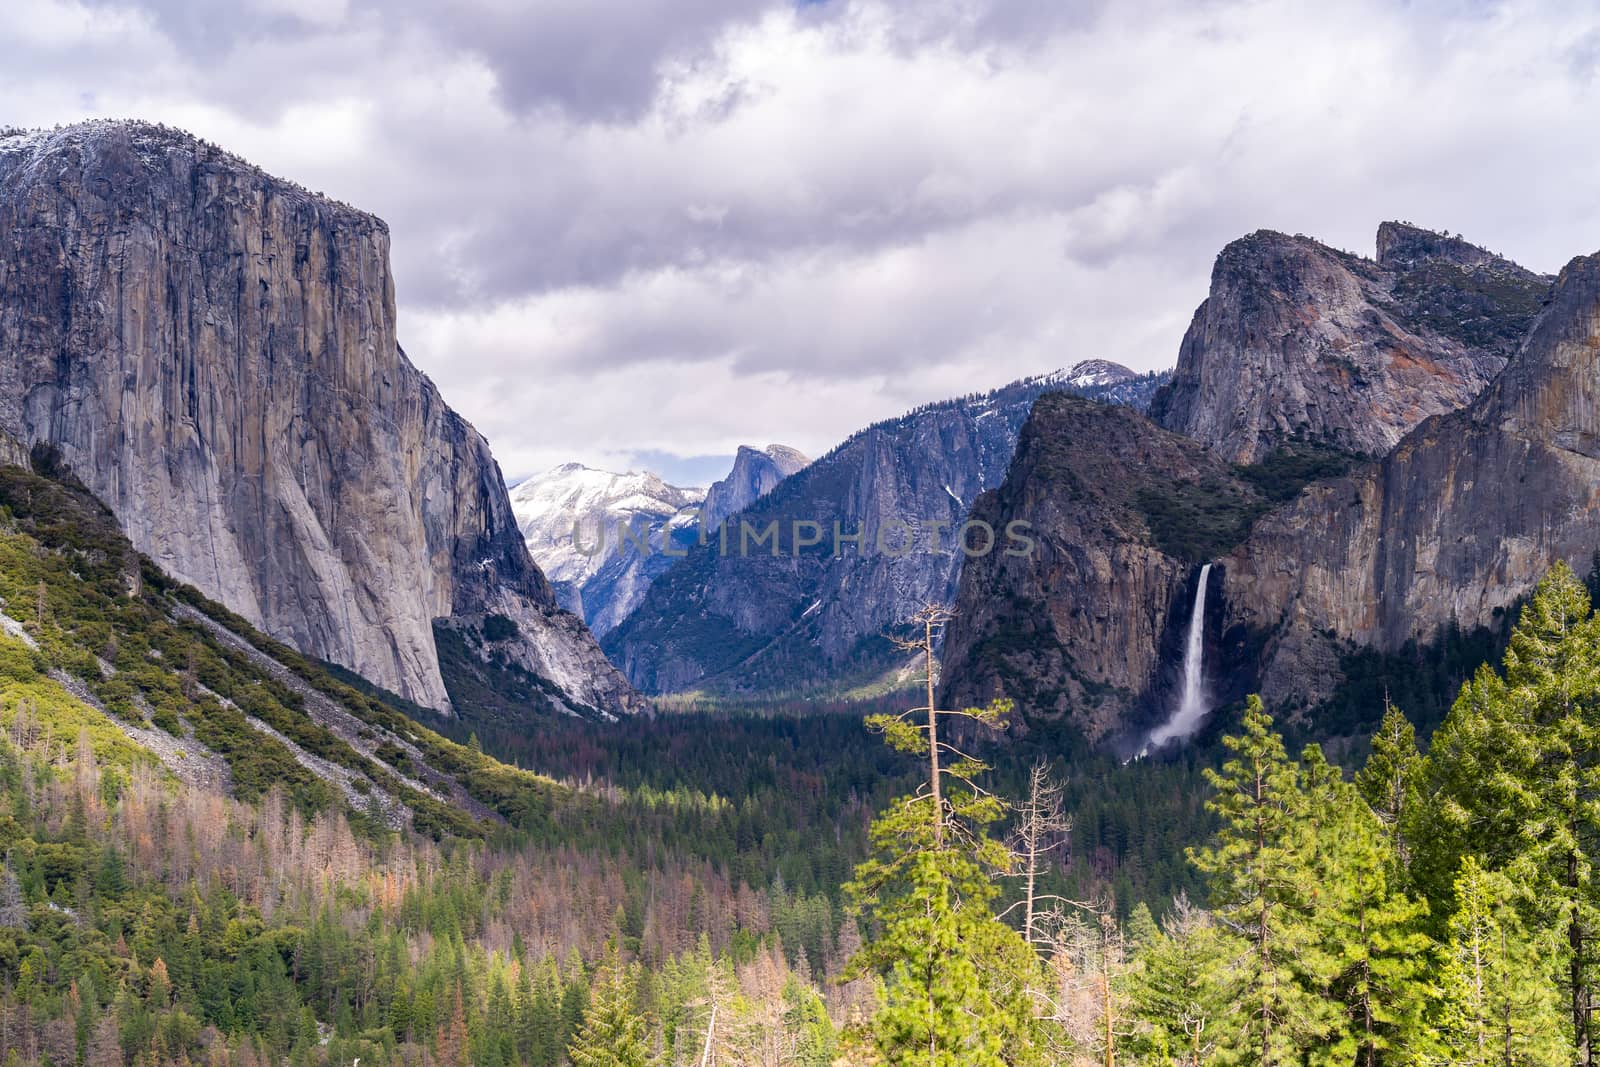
x: 1454, y: 525
x: 213, y: 351
x: 1083, y: 623
x: 755, y: 473
x: 1300, y: 342
x: 1319, y: 554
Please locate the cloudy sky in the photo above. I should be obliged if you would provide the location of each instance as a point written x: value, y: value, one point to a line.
x: 645, y: 231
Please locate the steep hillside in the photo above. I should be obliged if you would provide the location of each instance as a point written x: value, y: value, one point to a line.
x: 1451, y: 528
x: 214, y: 351
x: 1332, y: 564
x: 1298, y: 341
x: 214, y: 852
x: 99, y: 639
x: 748, y: 615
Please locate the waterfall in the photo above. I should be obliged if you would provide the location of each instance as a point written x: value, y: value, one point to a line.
x: 1185, y: 718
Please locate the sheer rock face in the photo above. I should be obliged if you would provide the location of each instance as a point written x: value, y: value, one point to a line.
x: 213, y: 352
x: 1300, y: 341
x: 1456, y: 523
x: 1083, y: 622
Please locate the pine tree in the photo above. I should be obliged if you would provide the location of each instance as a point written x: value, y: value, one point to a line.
x: 1516, y: 769
x: 957, y: 979
x: 1380, y: 950
x: 1184, y: 986
x: 1263, y: 884
x: 805, y: 1020
x: 1391, y: 781
x: 1496, y: 1002
x: 613, y: 1033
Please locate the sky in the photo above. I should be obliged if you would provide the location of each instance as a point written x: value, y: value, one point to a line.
x: 639, y: 233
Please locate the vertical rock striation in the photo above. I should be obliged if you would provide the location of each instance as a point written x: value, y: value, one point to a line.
x: 1082, y: 624
x: 754, y: 475
x: 213, y: 352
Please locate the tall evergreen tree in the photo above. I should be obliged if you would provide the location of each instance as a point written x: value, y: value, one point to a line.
x: 1516, y: 770
x: 613, y: 1033
x: 1375, y: 931
x: 1263, y: 885
x: 1495, y: 1003
x: 1184, y: 987
x: 957, y: 979
x: 1391, y: 781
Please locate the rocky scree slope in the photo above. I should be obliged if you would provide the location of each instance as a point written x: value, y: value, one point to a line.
x: 214, y: 352
x: 1299, y: 342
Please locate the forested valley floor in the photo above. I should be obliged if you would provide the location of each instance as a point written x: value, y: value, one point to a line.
x: 215, y: 851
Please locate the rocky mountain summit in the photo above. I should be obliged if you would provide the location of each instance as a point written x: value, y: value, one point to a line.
x: 574, y: 520
x: 213, y: 351
x: 605, y: 572
x: 1451, y: 528
x: 1097, y: 374
x: 755, y: 474
x: 1300, y: 342
x: 858, y: 540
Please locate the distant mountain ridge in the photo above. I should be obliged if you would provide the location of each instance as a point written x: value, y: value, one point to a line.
x: 785, y: 617
x: 574, y: 519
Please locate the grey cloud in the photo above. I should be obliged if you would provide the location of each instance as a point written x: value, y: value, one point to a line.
x: 681, y: 226
x: 593, y: 60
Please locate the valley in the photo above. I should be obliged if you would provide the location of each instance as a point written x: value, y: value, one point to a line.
x: 1260, y: 724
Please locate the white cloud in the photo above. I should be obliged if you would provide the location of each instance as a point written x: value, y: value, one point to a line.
x: 731, y: 222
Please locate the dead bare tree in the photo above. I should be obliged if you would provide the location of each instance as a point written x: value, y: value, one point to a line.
x: 1042, y: 828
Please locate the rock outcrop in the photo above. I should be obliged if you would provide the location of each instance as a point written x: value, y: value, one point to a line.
x: 1082, y: 623
x: 755, y: 473
x: 1451, y: 528
x: 1455, y: 524
x: 213, y: 352
x: 1300, y: 342
x: 859, y: 539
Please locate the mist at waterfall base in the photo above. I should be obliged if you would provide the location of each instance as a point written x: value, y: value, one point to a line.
x: 1192, y: 701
